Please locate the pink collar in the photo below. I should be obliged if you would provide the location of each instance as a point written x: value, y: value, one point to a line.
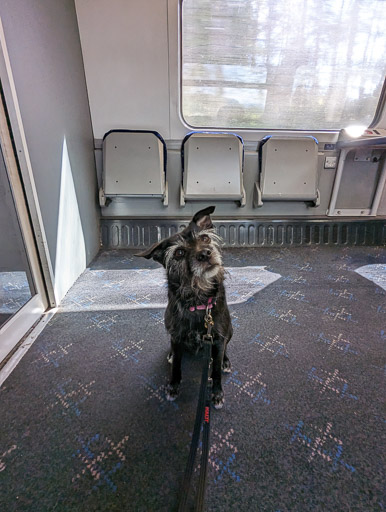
x: 210, y: 305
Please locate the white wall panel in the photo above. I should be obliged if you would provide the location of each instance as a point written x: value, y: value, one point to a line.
x: 131, y: 58
x: 45, y: 56
x: 125, y: 51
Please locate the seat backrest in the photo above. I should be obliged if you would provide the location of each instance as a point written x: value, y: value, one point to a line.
x: 134, y: 163
x: 212, y: 166
x: 288, y: 168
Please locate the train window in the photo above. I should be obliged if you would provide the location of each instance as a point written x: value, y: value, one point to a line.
x: 286, y: 64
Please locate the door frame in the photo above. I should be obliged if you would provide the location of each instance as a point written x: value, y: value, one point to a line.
x: 19, y: 169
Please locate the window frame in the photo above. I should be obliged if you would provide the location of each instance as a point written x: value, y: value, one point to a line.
x: 330, y: 134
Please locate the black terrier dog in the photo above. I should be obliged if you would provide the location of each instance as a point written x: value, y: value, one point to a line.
x: 195, y: 274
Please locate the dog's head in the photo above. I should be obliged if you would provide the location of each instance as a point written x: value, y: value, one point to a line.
x: 193, y: 256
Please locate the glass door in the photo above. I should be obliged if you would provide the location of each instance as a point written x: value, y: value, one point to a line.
x: 22, y: 292
x: 16, y: 283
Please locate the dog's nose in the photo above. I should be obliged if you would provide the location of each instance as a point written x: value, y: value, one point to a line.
x: 204, y: 255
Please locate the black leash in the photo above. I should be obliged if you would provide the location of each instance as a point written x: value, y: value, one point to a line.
x: 202, y: 418
x: 205, y: 449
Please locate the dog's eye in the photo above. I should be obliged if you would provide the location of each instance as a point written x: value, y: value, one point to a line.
x: 205, y: 238
x: 179, y: 253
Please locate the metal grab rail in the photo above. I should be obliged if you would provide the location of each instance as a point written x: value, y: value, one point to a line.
x: 359, y: 143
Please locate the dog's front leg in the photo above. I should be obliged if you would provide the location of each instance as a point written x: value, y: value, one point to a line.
x: 173, y: 388
x: 217, y: 392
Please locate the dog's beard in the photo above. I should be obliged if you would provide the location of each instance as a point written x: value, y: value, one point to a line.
x: 205, y: 275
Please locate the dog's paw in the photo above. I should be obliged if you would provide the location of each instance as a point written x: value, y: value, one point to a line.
x: 169, y: 358
x: 226, y: 366
x: 171, y: 392
x: 218, y: 399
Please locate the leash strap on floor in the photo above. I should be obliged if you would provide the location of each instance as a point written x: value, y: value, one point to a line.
x: 205, y: 452
x: 202, y: 417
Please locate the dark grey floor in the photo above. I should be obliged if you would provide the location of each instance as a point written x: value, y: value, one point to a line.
x: 84, y: 420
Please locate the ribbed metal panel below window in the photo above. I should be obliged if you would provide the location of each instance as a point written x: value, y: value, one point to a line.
x: 133, y: 233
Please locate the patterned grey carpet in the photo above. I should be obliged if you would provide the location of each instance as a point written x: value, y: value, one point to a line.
x: 84, y: 421
x: 14, y: 291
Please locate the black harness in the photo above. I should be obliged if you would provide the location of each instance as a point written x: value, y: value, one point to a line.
x: 202, y: 418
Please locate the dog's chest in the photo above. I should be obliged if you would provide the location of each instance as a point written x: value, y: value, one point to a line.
x: 193, y: 342
x: 189, y: 329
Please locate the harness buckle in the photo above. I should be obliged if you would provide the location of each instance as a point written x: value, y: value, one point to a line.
x: 207, y: 338
x: 208, y: 319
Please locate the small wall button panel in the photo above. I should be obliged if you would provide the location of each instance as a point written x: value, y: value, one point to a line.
x: 330, y: 162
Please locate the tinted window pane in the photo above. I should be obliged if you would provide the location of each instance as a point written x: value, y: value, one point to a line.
x: 300, y: 64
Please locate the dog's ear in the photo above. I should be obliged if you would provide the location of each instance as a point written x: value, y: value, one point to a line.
x: 202, y: 218
x: 156, y: 251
